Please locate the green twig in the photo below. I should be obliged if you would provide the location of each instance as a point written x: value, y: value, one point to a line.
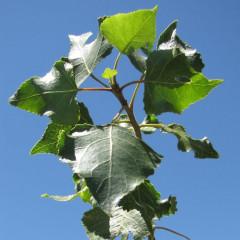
x: 135, y: 91
x: 115, y: 118
x: 155, y: 125
x: 115, y: 67
x: 169, y: 230
x: 94, y: 89
x: 130, y: 83
x: 99, y: 81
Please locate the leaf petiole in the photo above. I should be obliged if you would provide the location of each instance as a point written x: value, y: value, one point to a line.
x: 99, y: 81
x: 94, y: 89
x: 169, y: 230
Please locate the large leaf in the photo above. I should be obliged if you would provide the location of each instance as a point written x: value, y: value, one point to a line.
x: 202, y: 148
x: 169, y: 40
x: 53, y: 95
x: 111, y: 160
x: 163, y: 92
x: 85, y: 57
x: 131, y: 31
x: 100, y: 226
x: 147, y: 201
x: 49, y: 141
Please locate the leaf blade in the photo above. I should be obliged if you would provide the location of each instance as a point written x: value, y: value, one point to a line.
x: 131, y: 31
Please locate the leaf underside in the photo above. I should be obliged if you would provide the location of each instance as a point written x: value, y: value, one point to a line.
x: 111, y: 160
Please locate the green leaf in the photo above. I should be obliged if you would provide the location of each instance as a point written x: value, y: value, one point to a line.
x: 53, y: 95
x: 100, y: 226
x: 85, y: 57
x: 202, y: 148
x: 149, y: 119
x: 147, y: 201
x: 85, y: 116
x: 138, y: 61
x: 49, y: 141
x: 169, y: 40
x: 84, y: 193
x: 109, y: 73
x: 96, y: 223
x: 111, y: 160
x: 163, y: 92
x: 131, y: 31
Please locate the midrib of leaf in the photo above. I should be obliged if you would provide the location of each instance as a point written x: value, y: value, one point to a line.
x: 131, y: 40
x: 49, y: 92
x: 84, y: 60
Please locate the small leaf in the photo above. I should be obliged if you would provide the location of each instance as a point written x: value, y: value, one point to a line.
x: 169, y: 40
x: 147, y: 201
x: 149, y: 119
x: 84, y: 193
x: 85, y: 57
x: 124, y: 117
x: 53, y: 95
x: 111, y: 160
x: 109, y: 73
x: 61, y: 198
x: 202, y: 148
x: 131, y: 31
x: 163, y: 92
x: 100, y: 226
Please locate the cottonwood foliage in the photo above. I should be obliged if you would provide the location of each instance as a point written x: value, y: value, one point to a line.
x: 111, y: 163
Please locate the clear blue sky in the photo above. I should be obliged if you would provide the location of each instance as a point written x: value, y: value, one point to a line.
x: 34, y: 34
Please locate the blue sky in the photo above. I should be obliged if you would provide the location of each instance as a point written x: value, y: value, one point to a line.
x: 34, y: 34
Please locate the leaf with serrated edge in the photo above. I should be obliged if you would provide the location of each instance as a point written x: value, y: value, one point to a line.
x: 111, y: 160
x: 202, y: 148
x: 49, y: 141
x: 169, y: 40
x: 85, y: 57
x: 163, y: 93
x: 120, y: 223
x: 147, y: 201
x: 131, y: 31
x: 53, y: 95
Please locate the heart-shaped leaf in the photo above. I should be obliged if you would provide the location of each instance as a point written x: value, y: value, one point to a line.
x: 131, y: 31
x: 111, y: 160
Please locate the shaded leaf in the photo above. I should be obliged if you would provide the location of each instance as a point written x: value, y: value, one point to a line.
x: 100, y: 226
x: 163, y: 92
x: 138, y: 61
x: 202, y: 148
x: 147, y: 201
x: 53, y: 95
x: 149, y: 119
x: 96, y: 223
x: 85, y: 57
x: 131, y: 31
x: 111, y: 160
x: 49, y: 141
x: 169, y: 40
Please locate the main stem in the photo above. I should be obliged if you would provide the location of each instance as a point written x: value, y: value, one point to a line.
x: 119, y: 95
